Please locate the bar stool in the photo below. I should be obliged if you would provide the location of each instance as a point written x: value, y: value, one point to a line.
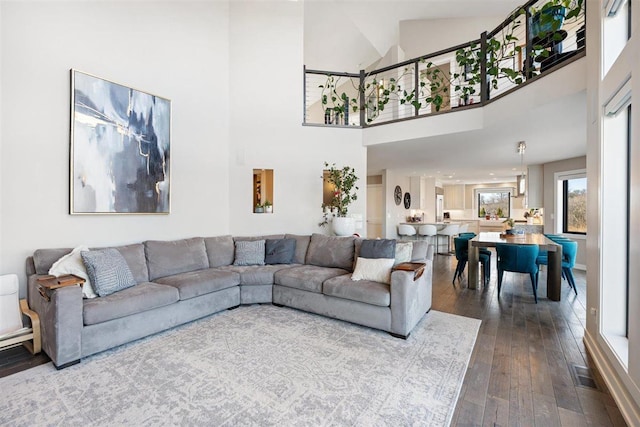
x: 449, y: 231
x: 429, y: 231
x: 406, y: 230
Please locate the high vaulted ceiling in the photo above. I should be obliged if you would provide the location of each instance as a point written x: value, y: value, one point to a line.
x: 352, y: 35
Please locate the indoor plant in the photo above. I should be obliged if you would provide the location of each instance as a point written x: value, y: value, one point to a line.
x: 345, y: 190
x: 268, y: 206
x: 259, y: 208
x: 509, y: 223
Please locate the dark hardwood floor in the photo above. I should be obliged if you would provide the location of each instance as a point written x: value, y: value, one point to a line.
x: 520, y: 372
x: 16, y: 359
x: 521, y: 369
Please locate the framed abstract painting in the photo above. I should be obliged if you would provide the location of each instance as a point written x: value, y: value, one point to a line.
x: 120, y: 148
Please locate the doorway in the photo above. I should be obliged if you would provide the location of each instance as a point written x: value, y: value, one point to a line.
x: 374, y: 211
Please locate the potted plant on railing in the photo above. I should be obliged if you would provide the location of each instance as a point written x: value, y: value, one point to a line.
x: 345, y: 190
x: 268, y: 207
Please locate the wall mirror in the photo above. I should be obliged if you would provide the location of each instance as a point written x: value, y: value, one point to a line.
x: 262, y: 191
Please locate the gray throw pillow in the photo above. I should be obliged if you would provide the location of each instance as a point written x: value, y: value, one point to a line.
x: 279, y: 251
x: 249, y: 252
x: 107, y: 270
x: 378, y: 248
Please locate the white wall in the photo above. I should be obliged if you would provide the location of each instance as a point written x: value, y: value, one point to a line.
x: 394, y: 214
x: 266, y: 132
x: 177, y: 50
x: 423, y: 36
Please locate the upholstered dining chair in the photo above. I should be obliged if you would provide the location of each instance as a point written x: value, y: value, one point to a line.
x: 405, y: 230
x: 518, y: 258
x: 461, y: 245
x: 569, y: 253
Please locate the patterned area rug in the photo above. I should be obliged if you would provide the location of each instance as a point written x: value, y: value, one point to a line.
x: 258, y: 366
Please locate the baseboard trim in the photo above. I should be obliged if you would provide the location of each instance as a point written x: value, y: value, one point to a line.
x: 627, y: 406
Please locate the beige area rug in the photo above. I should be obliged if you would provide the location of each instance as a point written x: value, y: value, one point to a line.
x: 256, y: 366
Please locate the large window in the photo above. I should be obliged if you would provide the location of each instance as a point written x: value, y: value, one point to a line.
x: 494, y: 203
x: 574, y: 200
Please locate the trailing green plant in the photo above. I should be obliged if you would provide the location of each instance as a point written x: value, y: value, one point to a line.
x: 345, y: 190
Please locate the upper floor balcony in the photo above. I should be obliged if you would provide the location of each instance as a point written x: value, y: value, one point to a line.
x: 533, y: 41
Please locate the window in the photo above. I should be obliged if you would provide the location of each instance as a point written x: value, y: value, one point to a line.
x: 617, y: 30
x: 574, y: 201
x: 495, y: 203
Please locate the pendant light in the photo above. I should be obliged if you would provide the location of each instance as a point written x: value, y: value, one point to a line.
x: 521, y: 179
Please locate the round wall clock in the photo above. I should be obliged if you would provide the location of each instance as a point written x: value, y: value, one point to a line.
x: 407, y: 200
x: 397, y: 195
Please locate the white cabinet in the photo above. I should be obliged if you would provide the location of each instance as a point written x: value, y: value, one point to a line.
x: 535, y: 186
x: 454, y: 196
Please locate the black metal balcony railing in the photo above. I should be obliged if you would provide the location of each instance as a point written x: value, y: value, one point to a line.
x: 537, y: 38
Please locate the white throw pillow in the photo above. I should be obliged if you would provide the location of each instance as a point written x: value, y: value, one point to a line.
x: 404, y: 250
x: 374, y: 269
x: 72, y: 263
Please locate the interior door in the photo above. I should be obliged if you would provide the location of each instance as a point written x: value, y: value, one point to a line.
x: 374, y: 211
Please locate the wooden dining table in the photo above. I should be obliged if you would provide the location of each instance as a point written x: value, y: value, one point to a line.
x: 489, y: 240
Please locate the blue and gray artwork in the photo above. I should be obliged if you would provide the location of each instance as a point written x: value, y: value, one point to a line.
x: 121, y: 148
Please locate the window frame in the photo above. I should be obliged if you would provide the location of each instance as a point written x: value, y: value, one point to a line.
x: 480, y: 191
x: 565, y: 203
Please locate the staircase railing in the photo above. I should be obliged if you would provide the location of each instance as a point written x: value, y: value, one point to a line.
x: 536, y: 39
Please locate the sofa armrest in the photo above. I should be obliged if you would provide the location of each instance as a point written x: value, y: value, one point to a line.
x: 410, y: 298
x: 60, y: 321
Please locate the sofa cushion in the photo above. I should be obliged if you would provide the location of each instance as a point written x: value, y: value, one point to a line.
x: 107, y: 270
x: 330, y: 251
x: 249, y: 252
x: 167, y: 258
x: 279, y: 251
x: 375, y: 269
x: 220, y: 250
x: 196, y: 283
x: 419, y: 252
x: 134, y: 255
x: 254, y: 238
x: 366, y: 291
x: 302, y: 244
x: 307, y: 277
x: 378, y: 248
x: 404, y: 252
x: 43, y: 259
x: 254, y: 275
x: 139, y: 298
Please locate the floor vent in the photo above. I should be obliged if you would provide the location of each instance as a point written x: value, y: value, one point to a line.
x: 582, y: 377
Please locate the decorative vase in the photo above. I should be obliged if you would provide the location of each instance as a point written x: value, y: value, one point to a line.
x: 343, y: 226
x: 268, y: 209
x: 529, y: 221
x: 259, y: 210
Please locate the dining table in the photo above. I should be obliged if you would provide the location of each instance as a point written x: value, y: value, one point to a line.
x: 491, y: 239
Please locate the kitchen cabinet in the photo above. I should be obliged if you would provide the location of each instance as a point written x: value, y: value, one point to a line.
x: 454, y: 196
x: 535, y: 186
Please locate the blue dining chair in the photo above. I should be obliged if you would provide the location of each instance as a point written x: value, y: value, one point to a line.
x: 569, y: 253
x: 461, y: 245
x: 518, y: 258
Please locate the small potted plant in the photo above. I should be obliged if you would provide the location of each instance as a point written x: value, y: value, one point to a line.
x: 259, y: 208
x: 268, y: 207
x: 509, y: 223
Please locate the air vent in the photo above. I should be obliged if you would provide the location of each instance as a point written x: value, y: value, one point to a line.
x: 582, y: 377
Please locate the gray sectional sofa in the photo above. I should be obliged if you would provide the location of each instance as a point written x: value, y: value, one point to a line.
x: 183, y: 280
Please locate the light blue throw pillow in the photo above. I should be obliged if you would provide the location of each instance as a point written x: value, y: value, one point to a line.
x: 107, y: 270
x: 249, y: 252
